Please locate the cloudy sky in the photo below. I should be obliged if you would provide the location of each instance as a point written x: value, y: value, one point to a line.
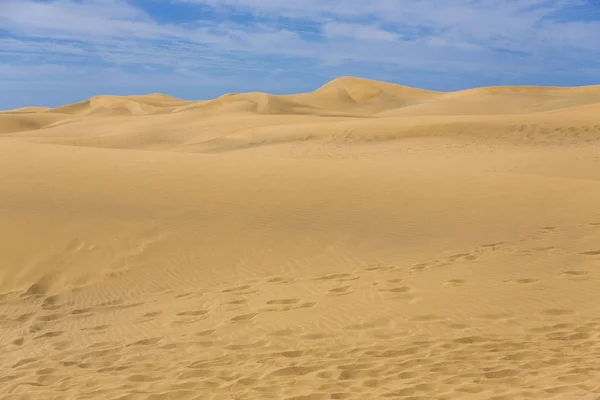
x: 54, y: 52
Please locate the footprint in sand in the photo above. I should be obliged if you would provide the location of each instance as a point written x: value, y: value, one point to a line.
x: 574, y: 273
x: 50, y: 335
x: 288, y: 304
x: 401, y: 289
x: 555, y: 312
x: 337, y: 277
x: 96, y: 329
x: 146, y: 342
x: 340, y: 291
x: 496, y: 316
x: 523, y: 281
x: 463, y: 256
x: 380, y: 269
x: 396, y: 280
x: 193, y: 313
x: 244, y: 317
x: 51, y: 302
x: 419, y: 267
x: 50, y: 317
x: 190, y: 317
x: 82, y: 312
x: 454, y: 282
x: 429, y: 318
x: 239, y: 290
x: 281, y: 280
x: 281, y: 304
x: 184, y: 295
x: 591, y: 253
x: 152, y: 314
x: 284, y: 301
x: 23, y: 317
x: 491, y: 246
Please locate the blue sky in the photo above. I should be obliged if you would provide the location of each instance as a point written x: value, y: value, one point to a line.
x: 55, y: 52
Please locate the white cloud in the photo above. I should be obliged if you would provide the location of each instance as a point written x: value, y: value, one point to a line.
x: 356, y: 31
x: 463, y: 25
x: 521, y: 23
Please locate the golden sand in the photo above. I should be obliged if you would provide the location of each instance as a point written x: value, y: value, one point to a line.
x: 366, y: 240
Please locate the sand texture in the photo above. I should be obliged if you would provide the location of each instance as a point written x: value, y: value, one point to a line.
x: 363, y: 241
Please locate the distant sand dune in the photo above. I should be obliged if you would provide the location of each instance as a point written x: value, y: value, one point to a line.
x: 25, y: 121
x: 363, y: 241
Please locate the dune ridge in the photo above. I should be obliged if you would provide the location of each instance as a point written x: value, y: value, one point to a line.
x: 366, y: 240
x: 340, y: 108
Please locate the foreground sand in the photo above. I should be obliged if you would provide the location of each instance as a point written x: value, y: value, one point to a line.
x: 363, y: 241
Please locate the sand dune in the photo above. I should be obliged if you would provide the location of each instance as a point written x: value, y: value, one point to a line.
x: 363, y: 241
x: 22, y: 121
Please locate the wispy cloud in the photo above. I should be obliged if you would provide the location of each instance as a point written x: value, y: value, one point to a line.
x: 236, y: 43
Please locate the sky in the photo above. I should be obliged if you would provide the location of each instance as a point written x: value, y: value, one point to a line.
x: 55, y: 52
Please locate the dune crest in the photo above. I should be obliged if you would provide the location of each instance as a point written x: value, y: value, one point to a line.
x: 366, y: 240
x: 394, y: 111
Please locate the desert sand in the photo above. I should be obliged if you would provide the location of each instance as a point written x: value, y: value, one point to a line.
x: 366, y: 240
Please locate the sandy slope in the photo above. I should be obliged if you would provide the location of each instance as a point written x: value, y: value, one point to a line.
x: 366, y: 240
